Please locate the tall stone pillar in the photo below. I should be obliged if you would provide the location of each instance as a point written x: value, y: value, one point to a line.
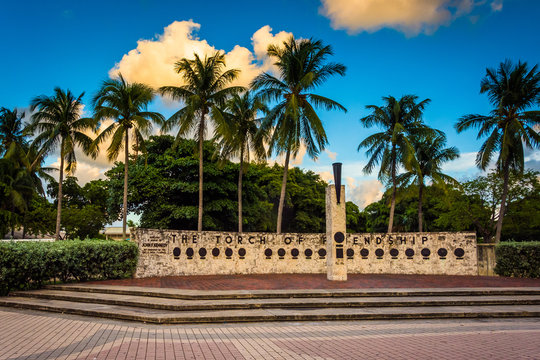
x: 336, y: 235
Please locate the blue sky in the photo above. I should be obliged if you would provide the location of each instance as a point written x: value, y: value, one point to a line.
x: 437, y: 49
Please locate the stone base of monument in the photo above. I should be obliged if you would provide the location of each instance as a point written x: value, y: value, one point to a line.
x: 175, y: 306
x: 336, y: 239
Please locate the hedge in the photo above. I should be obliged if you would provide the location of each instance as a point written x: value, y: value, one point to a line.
x: 27, y: 265
x: 518, y: 259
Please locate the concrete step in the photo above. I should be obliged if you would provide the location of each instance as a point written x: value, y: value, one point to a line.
x: 260, y: 315
x: 280, y: 294
x: 273, y: 303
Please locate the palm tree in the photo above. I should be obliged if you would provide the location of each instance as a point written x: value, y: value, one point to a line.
x: 302, y: 67
x: 126, y: 104
x: 512, y: 90
x: 58, y: 121
x: 17, y: 189
x: 203, y: 93
x: 430, y: 154
x: 392, y: 147
x: 11, y: 129
x: 238, y: 132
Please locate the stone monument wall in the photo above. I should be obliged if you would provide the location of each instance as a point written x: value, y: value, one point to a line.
x: 174, y: 252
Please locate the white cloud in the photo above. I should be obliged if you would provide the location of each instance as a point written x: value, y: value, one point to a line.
x: 466, y: 161
x: 293, y: 161
x: 359, y: 188
x: 363, y: 192
x: 327, y: 176
x: 86, y: 171
x: 408, y: 16
x: 331, y: 155
x: 532, y: 159
x: 152, y: 62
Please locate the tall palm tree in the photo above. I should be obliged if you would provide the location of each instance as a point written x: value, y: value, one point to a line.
x: 126, y: 104
x: 238, y: 133
x: 11, y: 129
x: 392, y: 147
x: 512, y: 90
x: 204, y: 91
x: 430, y: 154
x: 302, y: 67
x: 58, y: 122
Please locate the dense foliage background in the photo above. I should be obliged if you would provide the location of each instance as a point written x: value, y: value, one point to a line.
x: 163, y: 190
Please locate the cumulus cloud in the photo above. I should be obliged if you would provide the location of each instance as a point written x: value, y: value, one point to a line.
x: 409, y: 16
x: 152, y: 61
x: 85, y: 171
x: 326, y: 176
x: 360, y: 190
x: 363, y: 191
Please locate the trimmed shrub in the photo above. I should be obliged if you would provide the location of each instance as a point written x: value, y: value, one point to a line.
x: 518, y: 259
x: 27, y: 265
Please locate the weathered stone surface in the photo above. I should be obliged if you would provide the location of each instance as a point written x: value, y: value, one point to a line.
x: 157, y: 250
x: 336, y: 240
x: 486, y: 259
x: 431, y: 253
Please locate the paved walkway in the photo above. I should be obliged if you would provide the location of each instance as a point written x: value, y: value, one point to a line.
x: 34, y: 335
x: 318, y: 281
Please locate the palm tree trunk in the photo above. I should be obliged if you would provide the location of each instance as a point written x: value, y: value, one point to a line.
x: 136, y: 148
x: 282, y: 196
x: 124, y: 215
x: 240, y: 172
x: 201, y: 143
x: 24, y: 224
x: 503, y: 203
x: 13, y: 221
x: 420, y: 194
x: 59, y: 208
x: 393, y: 201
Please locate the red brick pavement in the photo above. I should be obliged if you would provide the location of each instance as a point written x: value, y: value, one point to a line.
x: 33, y: 335
x: 318, y: 281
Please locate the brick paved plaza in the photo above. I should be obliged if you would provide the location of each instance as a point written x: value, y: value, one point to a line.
x: 27, y: 334
x: 35, y: 335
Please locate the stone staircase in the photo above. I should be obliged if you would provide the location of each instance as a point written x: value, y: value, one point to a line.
x: 176, y: 306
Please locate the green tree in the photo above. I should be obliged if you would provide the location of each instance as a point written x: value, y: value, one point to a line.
x: 15, y: 192
x: 302, y: 68
x: 26, y: 160
x: 512, y: 90
x: 475, y: 205
x: 58, y: 123
x: 126, y: 104
x: 203, y: 93
x: 356, y: 220
x: 40, y: 216
x: 430, y: 153
x: 239, y: 134
x: 11, y: 130
x: 522, y: 218
x: 84, y: 207
x: 400, y: 120
x: 164, y: 193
